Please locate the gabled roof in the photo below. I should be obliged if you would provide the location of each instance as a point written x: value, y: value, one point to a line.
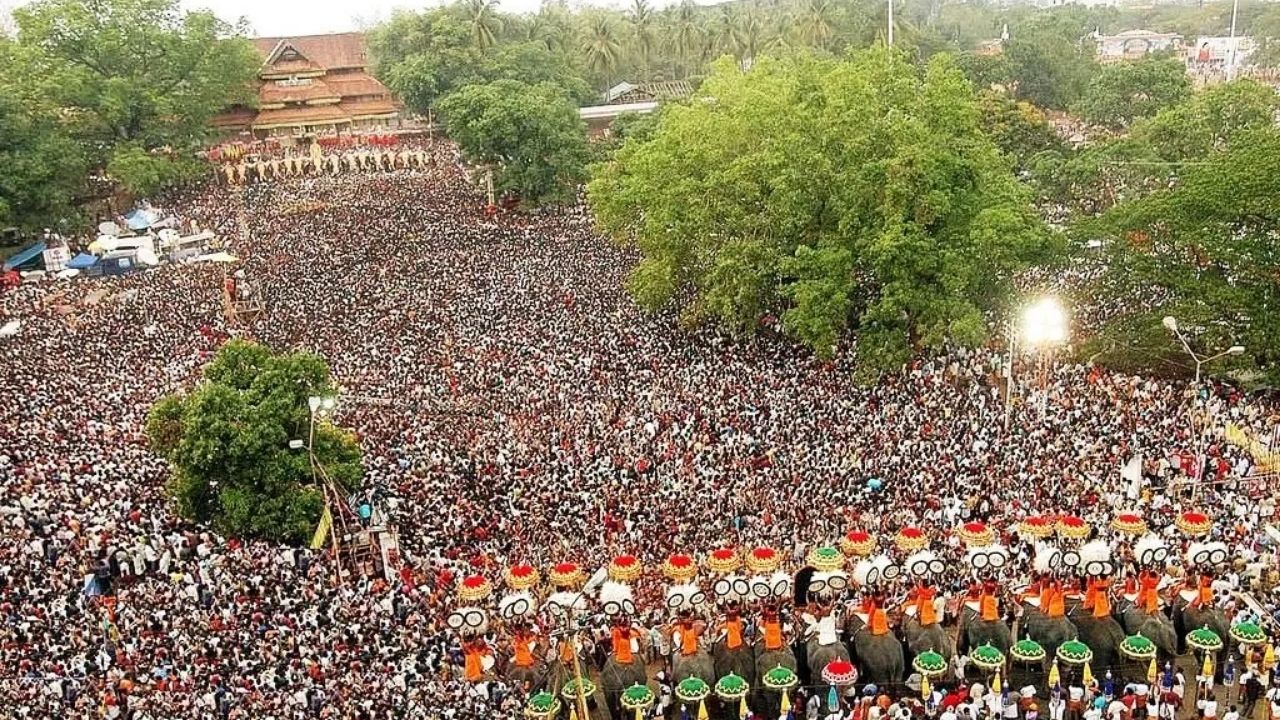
x: 316, y: 89
x: 338, y: 50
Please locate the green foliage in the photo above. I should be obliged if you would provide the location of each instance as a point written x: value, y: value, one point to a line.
x: 1123, y: 92
x: 116, y: 85
x: 1018, y: 128
x: 1048, y: 69
x: 857, y: 192
x: 530, y: 133
x: 1206, y: 246
x: 227, y: 442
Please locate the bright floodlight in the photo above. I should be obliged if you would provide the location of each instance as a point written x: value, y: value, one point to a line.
x: 329, y: 403
x: 1045, y: 323
x: 1170, y: 323
x: 1235, y: 350
x: 313, y: 402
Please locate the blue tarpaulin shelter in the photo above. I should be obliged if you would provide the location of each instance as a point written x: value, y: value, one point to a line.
x: 24, y: 256
x: 82, y: 261
x: 141, y: 219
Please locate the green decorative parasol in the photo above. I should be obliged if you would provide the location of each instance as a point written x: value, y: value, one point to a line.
x: 826, y: 558
x: 692, y: 689
x: 1137, y: 647
x: 542, y: 706
x: 1204, y: 640
x: 987, y: 657
x: 1027, y: 651
x: 1074, y: 652
x: 780, y: 678
x: 929, y: 664
x: 732, y: 687
x: 570, y: 689
x: 637, y: 697
x: 1247, y: 633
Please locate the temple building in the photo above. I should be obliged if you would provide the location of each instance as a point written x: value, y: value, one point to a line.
x: 314, y: 84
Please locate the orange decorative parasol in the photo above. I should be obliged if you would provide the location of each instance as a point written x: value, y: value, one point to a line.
x: 567, y: 574
x: 522, y: 576
x: 723, y: 561
x: 1194, y: 523
x: 680, y: 567
x: 763, y: 559
x: 624, y: 568
x: 910, y: 539
x: 1129, y: 523
x: 976, y: 534
x: 474, y: 587
x: 1037, y: 526
x: 1072, y: 527
x: 856, y: 542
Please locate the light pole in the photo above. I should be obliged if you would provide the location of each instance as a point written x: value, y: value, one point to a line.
x: 1171, y: 324
x: 1231, y: 64
x: 891, y: 23
x: 1044, y: 327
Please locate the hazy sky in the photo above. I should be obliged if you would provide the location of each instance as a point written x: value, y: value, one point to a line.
x: 304, y: 17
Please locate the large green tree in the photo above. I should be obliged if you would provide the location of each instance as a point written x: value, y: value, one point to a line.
x: 1204, y: 251
x: 1123, y: 92
x: 138, y: 80
x: 228, y: 444
x: 530, y: 134
x: 857, y: 192
x: 42, y: 167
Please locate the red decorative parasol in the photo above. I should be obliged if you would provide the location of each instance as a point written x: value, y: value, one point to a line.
x: 763, y: 559
x: 840, y: 672
x: 680, y: 567
x: 474, y: 587
x: 624, y: 568
x: 1037, y: 526
x: 1073, y: 527
x: 522, y: 576
x: 976, y: 534
x: 1129, y: 523
x: 910, y: 539
x: 1194, y: 523
x: 566, y: 574
x: 723, y: 561
x: 856, y: 542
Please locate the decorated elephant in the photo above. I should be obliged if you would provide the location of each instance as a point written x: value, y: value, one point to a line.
x: 920, y: 626
x: 823, y: 622
x: 772, y: 647
x: 729, y: 651
x: 690, y: 658
x: 625, y: 665
x: 563, y: 609
x: 981, y: 622
x: 1095, y: 624
x: 1196, y: 605
x: 472, y: 624
x: 526, y: 669
x: 877, y: 651
x: 1044, y: 603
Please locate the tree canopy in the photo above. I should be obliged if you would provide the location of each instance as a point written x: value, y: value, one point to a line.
x: 836, y: 193
x: 227, y: 442
x: 1123, y: 92
x: 131, y: 84
x: 530, y: 133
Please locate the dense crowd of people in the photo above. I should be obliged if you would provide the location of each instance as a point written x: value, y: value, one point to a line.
x: 513, y: 406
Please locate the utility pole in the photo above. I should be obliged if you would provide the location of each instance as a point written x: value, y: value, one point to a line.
x: 891, y: 23
x: 1231, y: 64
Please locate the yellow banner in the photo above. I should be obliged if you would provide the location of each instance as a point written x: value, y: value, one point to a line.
x: 1266, y: 460
x: 322, y: 529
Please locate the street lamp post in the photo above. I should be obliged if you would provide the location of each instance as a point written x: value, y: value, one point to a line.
x: 1044, y: 327
x: 1171, y: 324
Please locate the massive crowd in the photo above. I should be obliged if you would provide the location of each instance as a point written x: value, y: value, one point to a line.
x: 513, y: 406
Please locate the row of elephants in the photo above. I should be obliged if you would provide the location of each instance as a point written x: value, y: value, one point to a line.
x: 885, y: 658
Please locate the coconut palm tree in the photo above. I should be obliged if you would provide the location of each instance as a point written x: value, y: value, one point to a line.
x: 813, y: 22
x: 550, y: 27
x: 642, y: 34
x: 601, y: 47
x: 688, y: 34
x: 485, y: 23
